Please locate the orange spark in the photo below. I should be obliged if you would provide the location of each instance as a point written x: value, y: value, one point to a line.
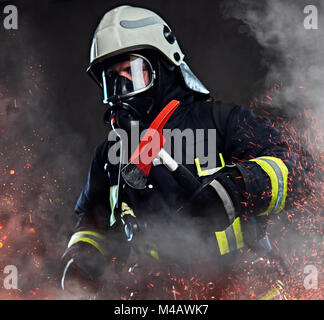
x: 176, y: 292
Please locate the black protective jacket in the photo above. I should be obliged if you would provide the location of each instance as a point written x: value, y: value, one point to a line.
x: 241, y: 136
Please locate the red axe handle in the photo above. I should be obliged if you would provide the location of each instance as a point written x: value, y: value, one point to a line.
x: 154, y: 133
x: 135, y: 173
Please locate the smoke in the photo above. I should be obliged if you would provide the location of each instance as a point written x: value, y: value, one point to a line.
x: 291, y: 52
x: 36, y: 184
x: 293, y: 92
x: 46, y: 136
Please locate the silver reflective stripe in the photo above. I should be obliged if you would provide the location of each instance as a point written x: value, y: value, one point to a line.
x: 64, y: 273
x: 226, y: 199
x: 231, y: 240
x: 75, y: 237
x: 128, y: 24
x: 278, y: 172
x: 191, y: 81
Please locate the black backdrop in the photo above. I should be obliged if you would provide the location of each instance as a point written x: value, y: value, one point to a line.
x: 57, y: 34
x: 51, y: 111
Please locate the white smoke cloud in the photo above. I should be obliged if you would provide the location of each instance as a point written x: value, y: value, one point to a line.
x: 293, y: 54
x: 294, y: 57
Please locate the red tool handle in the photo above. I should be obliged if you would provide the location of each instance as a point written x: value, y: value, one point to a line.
x: 154, y: 133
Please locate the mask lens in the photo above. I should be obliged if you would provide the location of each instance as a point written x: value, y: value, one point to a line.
x: 132, y: 75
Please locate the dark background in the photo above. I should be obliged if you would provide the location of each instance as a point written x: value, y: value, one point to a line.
x: 58, y: 34
x: 51, y: 112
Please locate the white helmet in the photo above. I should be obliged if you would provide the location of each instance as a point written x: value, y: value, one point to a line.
x: 127, y: 29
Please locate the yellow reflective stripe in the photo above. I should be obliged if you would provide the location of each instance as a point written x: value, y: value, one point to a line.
x: 230, y: 239
x: 126, y: 210
x: 222, y: 242
x: 285, y: 174
x: 90, y: 233
x: 201, y: 173
x: 86, y: 232
x: 150, y: 249
x: 154, y: 254
x: 204, y: 173
x: 238, y: 233
x: 222, y: 162
x: 90, y: 241
x: 280, y: 284
x: 274, y: 183
x: 272, y: 293
x: 81, y: 236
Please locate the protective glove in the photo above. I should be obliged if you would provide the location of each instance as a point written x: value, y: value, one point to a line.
x: 229, y: 205
x: 218, y: 197
x: 83, y: 260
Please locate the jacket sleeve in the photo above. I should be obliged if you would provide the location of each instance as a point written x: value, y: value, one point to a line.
x: 94, y: 213
x: 272, y: 177
x: 92, y: 205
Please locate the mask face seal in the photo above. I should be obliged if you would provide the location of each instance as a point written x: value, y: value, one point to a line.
x: 127, y: 85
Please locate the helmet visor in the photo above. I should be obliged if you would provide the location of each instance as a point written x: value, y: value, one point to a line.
x: 132, y: 75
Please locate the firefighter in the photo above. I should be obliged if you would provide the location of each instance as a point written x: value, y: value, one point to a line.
x: 139, y: 66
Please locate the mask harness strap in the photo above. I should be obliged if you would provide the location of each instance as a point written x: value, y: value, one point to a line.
x: 118, y: 200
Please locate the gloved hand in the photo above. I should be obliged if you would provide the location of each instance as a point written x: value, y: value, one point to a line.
x: 83, y: 262
x: 215, y: 204
x: 218, y: 196
x: 206, y: 201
